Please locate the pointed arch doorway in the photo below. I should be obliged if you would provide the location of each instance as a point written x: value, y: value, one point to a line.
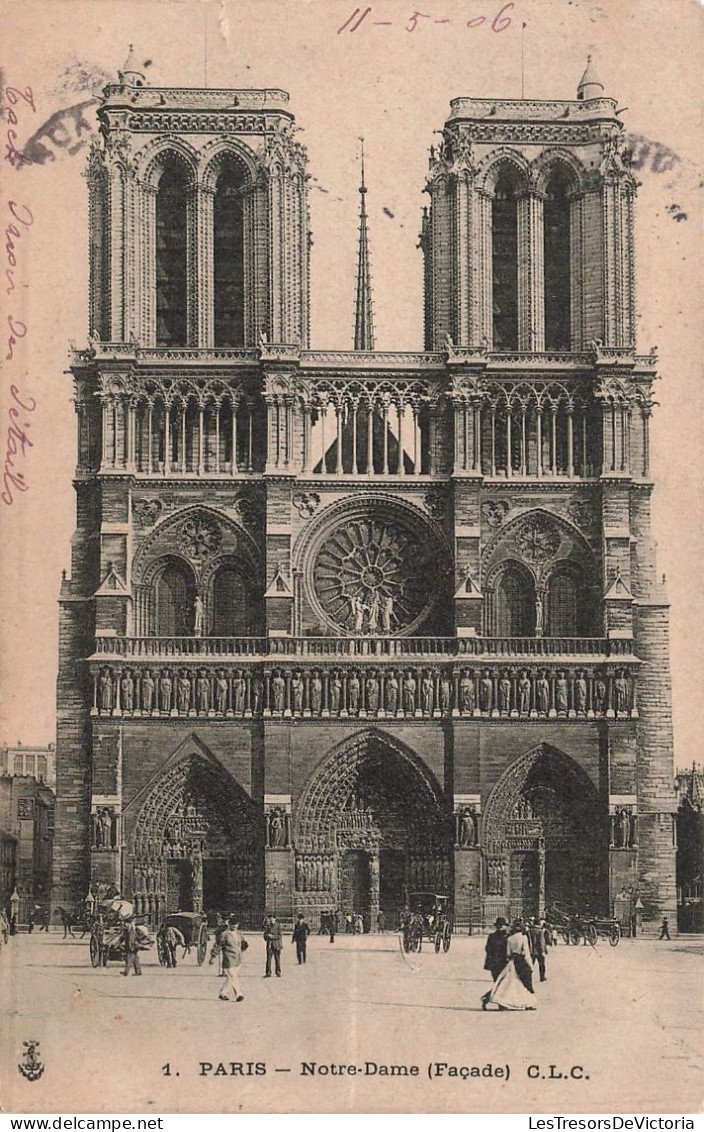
x: 371, y: 827
x: 545, y: 838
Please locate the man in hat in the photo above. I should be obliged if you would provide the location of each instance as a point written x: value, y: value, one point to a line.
x: 538, y: 950
x: 131, y: 946
x: 301, y: 931
x: 495, y: 960
x: 231, y: 945
x: 274, y: 945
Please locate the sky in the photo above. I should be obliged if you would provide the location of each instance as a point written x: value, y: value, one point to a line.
x: 389, y: 78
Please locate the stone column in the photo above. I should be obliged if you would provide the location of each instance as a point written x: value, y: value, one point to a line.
x: 373, y: 889
x: 531, y: 275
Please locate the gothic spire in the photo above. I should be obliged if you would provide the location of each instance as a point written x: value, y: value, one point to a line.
x: 363, y: 317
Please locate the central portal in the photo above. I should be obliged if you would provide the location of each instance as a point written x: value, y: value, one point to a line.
x: 370, y: 827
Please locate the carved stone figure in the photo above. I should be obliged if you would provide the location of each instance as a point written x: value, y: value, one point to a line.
x: 198, y: 616
x: 106, y: 690
x: 127, y: 691
x: 561, y: 693
x: 184, y: 692
x: 524, y: 693
x: 466, y: 829
x: 358, y: 609
x: 373, y: 613
x: 278, y: 687
x: 316, y: 694
x: 165, y: 691
x: 257, y: 694
x: 539, y: 616
x: 620, y: 694
x: 147, y: 691
x: 221, y: 692
x: 409, y: 694
x: 486, y: 692
x: 467, y: 692
x: 277, y: 838
x: 105, y: 829
x: 428, y: 694
x: 354, y: 686
x: 335, y: 693
x: 239, y: 691
x: 600, y: 694
x: 392, y: 693
x: 203, y: 693
x: 445, y: 695
x: 297, y: 692
x: 387, y: 612
x: 624, y: 828
x: 542, y: 694
x: 580, y: 694
x: 504, y: 693
x: 371, y: 689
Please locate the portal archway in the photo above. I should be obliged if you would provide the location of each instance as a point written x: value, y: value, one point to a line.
x: 545, y: 838
x: 195, y: 842
x: 371, y: 827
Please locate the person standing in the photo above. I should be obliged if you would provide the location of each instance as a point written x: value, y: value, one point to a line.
x: 231, y: 945
x: 301, y: 931
x: 332, y: 924
x: 274, y: 945
x: 513, y: 989
x: 664, y: 929
x: 129, y: 942
x: 172, y: 938
x: 537, y: 946
x: 380, y: 921
x: 495, y: 959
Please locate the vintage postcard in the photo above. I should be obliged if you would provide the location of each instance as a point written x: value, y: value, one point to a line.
x: 351, y: 402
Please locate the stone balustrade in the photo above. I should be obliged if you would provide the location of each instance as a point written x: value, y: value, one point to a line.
x: 530, y: 690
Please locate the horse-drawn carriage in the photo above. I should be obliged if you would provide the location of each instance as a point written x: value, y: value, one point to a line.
x: 428, y: 917
x: 193, y: 926
x: 107, y: 929
x: 577, y: 927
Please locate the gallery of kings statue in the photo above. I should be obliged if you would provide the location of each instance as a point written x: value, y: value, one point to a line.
x: 342, y: 625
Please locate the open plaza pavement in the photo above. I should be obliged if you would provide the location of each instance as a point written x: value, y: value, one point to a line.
x: 621, y: 1027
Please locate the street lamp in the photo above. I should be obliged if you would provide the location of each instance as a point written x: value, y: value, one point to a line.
x: 274, y: 885
x: 470, y: 890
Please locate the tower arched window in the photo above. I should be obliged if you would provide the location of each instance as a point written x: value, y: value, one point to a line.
x: 556, y: 229
x: 504, y: 259
x: 175, y: 595
x: 236, y: 612
x: 171, y: 258
x: 514, y: 604
x: 562, y: 611
x: 228, y: 258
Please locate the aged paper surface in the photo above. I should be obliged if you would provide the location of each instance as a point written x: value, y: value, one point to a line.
x: 363, y: 1026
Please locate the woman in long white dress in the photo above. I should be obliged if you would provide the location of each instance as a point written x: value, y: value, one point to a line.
x: 513, y: 989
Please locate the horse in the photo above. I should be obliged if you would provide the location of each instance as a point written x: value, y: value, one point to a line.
x: 71, y: 920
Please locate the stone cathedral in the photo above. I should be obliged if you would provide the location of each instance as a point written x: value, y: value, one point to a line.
x: 345, y: 625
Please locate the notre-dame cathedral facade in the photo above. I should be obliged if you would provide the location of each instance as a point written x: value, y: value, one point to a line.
x: 345, y: 625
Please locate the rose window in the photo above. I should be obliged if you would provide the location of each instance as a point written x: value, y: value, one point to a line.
x: 374, y: 577
x: 199, y: 538
x: 538, y: 541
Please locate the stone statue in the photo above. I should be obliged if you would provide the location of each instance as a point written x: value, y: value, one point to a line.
x: 373, y: 613
x: 467, y: 692
x: 257, y: 694
x: 387, y: 612
x: 297, y: 691
x: 504, y: 693
x: 466, y: 833
x: 316, y: 694
x: 165, y: 690
x: 276, y: 830
x: 278, y: 687
x: 358, y: 608
x: 239, y: 691
x: 600, y: 691
x: 524, y: 693
x: 198, y: 616
x: 127, y: 691
x: 221, y: 692
x: 372, y: 692
x: 299, y: 874
x: 620, y: 694
x: 428, y: 694
x: 105, y: 829
x: 539, y: 616
x: 445, y: 695
x: 486, y: 692
x: 561, y: 693
x: 580, y: 693
x: 106, y: 690
x: 624, y: 825
x: 203, y: 692
x: 632, y: 831
x: 392, y: 693
x: 184, y: 692
x: 354, y: 686
x: 335, y: 693
x: 147, y: 691
x: 542, y: 694
x: 409, y: 694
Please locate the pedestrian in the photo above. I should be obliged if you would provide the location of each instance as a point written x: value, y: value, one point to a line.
x: 323, y: 929
x: 513, y: 989
x: 301, y: 931
x: 349, y: 925
x: 231, y: 945
x: 274, y: 945
x: 495, y: 952
x: 45, y: 919
x: 171, y: 938
x: 380, y: 921
x: 358, y: 924
x: 333, y: 924
x: 664, y: 929
x: 537, y: 946
x: 131, y: 946
x: 30, y: 921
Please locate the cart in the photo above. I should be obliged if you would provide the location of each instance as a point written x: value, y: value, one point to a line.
x: 106, y: 937
x: 577, y: 927
x: 193, y: 926
x: 427, y: 917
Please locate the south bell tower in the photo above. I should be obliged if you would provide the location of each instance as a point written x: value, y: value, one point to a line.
x: 343, y: 625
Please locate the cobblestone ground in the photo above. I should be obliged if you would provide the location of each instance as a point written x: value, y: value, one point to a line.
x: 622, y: 1025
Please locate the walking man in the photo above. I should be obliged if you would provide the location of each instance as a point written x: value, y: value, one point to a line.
x: 495, y: 960
x: 537, y: 946
x: 301, y: 931
x: 664, y: 929
x: 129, y: 941
x: 274, y: 945
x: 231, y: 944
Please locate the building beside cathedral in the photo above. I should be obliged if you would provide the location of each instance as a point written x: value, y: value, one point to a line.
x: 345, y: 625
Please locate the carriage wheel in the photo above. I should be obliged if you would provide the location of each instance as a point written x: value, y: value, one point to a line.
x: 438, y: 942
x: 446, y: 937
x: 614, y: 934
x: 94, y: 951
x: 566, y: 935
x: 161, y: 951
x: 575, y: 936
x: 415, y: 939
x: 592, y: 935
x: 202, y: 947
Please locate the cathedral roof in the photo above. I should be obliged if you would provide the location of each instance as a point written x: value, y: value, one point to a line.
x: 590, y: 85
